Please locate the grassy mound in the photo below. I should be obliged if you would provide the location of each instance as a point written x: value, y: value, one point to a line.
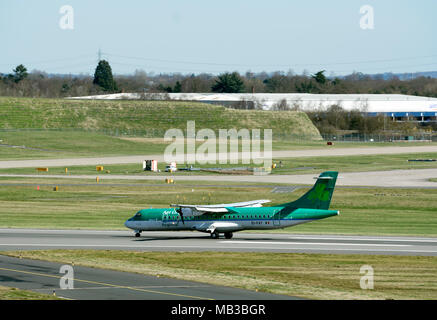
x: 145, y: 118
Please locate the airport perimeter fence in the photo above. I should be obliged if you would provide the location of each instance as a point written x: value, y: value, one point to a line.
x: 282, y: 136
x: 382, y: 137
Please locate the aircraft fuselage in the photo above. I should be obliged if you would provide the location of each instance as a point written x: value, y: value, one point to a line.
x: 240, y: 219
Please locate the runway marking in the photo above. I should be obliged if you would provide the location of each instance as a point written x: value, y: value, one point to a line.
x: 134, y: 287
x: 317, y: 243
x: 106, y: 284
x: 274, y: 248
x: 366, y: 239
x: 205, y: 246
x: 279, y: 236
x: 268, y: 248
x: 133, y: 246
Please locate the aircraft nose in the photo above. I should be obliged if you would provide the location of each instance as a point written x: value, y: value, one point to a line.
x: 128, y: 224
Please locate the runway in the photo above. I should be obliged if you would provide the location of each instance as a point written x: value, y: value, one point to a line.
x: 33, y: 239
x: 418, y: 178
x: 100, y: 284
x: 319, y: 152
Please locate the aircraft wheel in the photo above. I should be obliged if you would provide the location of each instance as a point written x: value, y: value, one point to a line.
x: 137, y: 235
x: 228, y: 235
x: 215, y: 235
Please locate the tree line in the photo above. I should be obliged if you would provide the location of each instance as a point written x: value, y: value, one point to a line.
x: 336, y: 120
x: 40, y: 84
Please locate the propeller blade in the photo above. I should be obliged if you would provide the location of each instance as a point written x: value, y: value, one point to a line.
x: 179, y: 210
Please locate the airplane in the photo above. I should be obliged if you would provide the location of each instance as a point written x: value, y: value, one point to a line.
x: 233, y: 217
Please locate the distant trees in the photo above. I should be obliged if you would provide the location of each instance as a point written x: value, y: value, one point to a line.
x: 103, y: 77
x: 335, y: 120
x: 169, y: 89
x: 21, y: 82
x: 278, y: 83
x: 228, y: 83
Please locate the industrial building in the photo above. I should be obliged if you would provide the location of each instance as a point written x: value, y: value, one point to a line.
x: 396, y: 106
x: 399, y: 107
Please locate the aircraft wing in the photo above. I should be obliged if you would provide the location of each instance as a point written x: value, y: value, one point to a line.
x: 217, y: 208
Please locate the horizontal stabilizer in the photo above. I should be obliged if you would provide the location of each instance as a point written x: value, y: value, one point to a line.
x: 324, y: 178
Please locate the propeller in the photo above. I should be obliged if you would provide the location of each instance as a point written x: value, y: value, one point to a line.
x: 179, y: 211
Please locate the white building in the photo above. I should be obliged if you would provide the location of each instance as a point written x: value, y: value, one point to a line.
x: 393, y: 105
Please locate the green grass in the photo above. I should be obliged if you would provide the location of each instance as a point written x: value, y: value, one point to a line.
x: 69, y: 143
x: 366, y: 211
x: 7, y: 293
x: 57, y: 128
x: 354, y: 163
x: 151, y: 118
x: 296, y: 144
x: 315, y: 276
x: 63, y: 144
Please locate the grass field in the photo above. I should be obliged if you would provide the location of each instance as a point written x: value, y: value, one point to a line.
x: 354, y: 163
x: 149, y: 118
x: 366, y: 211
x: 315, y: 276
x: 57, y: 128
x: 64, y: 144
x: 43, y: 144
x: 7, y: 293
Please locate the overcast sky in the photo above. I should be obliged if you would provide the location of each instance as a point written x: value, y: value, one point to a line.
x: 194, y: 36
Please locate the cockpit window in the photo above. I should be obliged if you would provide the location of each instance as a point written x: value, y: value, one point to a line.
x: 137, y: 215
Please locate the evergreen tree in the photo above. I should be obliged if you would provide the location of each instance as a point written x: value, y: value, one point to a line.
x: 320, y: 77
x: 177, y: 87
x: 228, y: 83
x: 103, y: 77
x: 20, y: 73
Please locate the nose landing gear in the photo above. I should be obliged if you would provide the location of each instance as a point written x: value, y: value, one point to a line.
x: 215, y: 235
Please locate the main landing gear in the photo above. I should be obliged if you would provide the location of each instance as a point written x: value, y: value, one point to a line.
x: 216, y: 235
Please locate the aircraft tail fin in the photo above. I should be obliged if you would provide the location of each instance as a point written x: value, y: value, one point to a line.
x: 319, y: 196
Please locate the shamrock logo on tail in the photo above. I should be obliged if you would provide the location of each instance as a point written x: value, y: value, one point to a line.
x: 319, y: 193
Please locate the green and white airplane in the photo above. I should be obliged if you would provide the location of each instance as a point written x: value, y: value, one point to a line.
x: 233, y: 217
